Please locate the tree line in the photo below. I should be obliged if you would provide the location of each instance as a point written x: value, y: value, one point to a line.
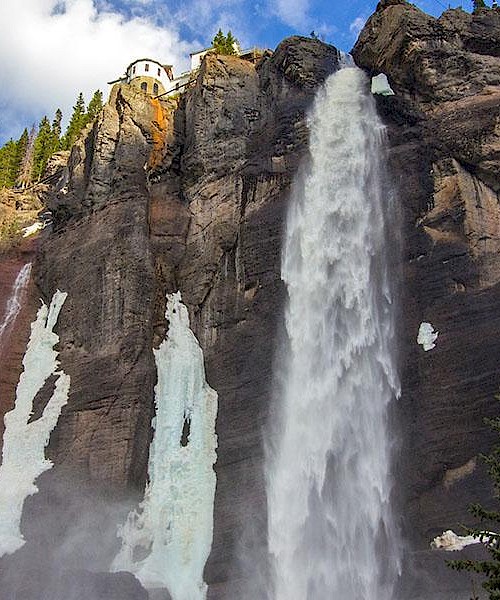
x: 23, y: 161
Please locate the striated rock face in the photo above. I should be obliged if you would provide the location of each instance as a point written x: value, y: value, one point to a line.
x: 444, y: 133
x: 160, y: 196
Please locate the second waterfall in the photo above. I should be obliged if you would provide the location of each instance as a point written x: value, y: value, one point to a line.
x: 331, y: 531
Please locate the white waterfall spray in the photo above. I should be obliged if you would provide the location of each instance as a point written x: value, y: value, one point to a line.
x: 14, y: 303
x: 331, y: 531
x: 167, y: 542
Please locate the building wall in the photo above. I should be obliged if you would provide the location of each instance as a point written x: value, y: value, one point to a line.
x: 155, y: 71
x: 197, y: 58
x: 149, y: 81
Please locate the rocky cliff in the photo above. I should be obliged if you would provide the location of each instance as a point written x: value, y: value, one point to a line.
x: 444, y: 134
x: 189, y: 194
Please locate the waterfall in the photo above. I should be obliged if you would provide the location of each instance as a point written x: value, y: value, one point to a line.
x: 15, y: 301
x: 331, y: 532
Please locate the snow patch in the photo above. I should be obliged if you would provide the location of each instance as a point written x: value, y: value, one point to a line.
x: 451, y: 542
x: 381, y: 85
x: 32, y: 229
x: 427, y: 336
x: 23, y: 454
x: 166, y: 542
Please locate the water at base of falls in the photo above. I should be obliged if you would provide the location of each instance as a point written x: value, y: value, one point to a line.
x: 331, y: 532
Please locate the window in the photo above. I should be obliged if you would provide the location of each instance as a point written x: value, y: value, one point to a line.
x: 146, y: 67
x: 133, y: 70
x: 144, y: 86
x: 159, y: 72
x: 155, y: 89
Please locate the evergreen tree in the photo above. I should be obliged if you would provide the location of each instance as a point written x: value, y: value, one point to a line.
x: 26, y: 167
x: 76, y: 123
x: 219, y: 42
x: 225, y: 44
x: 55, y: 134
x: 94, y: 107
x: 11, y: 158
x: 21, y: 149
x: 490, y: 520
x: 8, y: 154
x: 42, y: 148
x: 478, y: 4
x: 231, y: 44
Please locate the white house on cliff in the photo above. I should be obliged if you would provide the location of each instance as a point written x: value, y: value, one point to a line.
x: 157, y: 79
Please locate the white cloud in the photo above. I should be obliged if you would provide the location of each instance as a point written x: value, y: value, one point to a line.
x: 205, y: 17
x: 52, y: 49
x: 293, y: 13
x: 357, y: 25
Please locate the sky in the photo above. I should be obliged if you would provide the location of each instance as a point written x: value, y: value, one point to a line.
x: 52, y: 49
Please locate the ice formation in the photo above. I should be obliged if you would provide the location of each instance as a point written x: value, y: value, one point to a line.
x: 15, y: 301
x: 24, y: 443
x: 331, y: 530
x: 381, y: 85
x: 451, y: 542
x: 166, y: 542
x: 427, y: 336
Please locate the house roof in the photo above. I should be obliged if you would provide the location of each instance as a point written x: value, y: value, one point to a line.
x: 152, y: 60
x: 200, y: 51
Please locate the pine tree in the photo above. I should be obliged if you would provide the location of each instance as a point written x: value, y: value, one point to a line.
x: 94, y: 107
x: 8, y: 153
x: 76, y: 123
x: 21, y: 149
x: 26, y: 167
x: 55, y: 133
x: 231, y: 44
x: 478, y: 4
x: 219, y: 42
x: 11, y: 158
x: 489, y: 568
x: 42, y: 148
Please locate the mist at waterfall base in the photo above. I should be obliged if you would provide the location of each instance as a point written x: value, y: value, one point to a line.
x: 70, y: 526
x: 331, y: 529
x: 72, y: 540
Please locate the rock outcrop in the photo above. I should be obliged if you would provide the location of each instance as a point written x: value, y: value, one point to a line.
x: 443, y: 127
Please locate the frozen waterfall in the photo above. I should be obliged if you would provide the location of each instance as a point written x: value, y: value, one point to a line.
x: 15, y: 301
x: 25, y: 440
x: 331, y: 532
x: 166, y: 542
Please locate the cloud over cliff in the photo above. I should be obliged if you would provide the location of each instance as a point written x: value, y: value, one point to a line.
x: 51, y: 49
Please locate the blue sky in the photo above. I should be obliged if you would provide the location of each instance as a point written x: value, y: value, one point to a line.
x: 52, y: 49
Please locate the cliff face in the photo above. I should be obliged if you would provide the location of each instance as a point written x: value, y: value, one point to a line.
x: 160, y: 196
x: 444, y: 134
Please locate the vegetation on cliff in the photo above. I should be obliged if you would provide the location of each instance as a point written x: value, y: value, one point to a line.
x: 23, y: 161
x: 489, y: 519
x: 225, y: 44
